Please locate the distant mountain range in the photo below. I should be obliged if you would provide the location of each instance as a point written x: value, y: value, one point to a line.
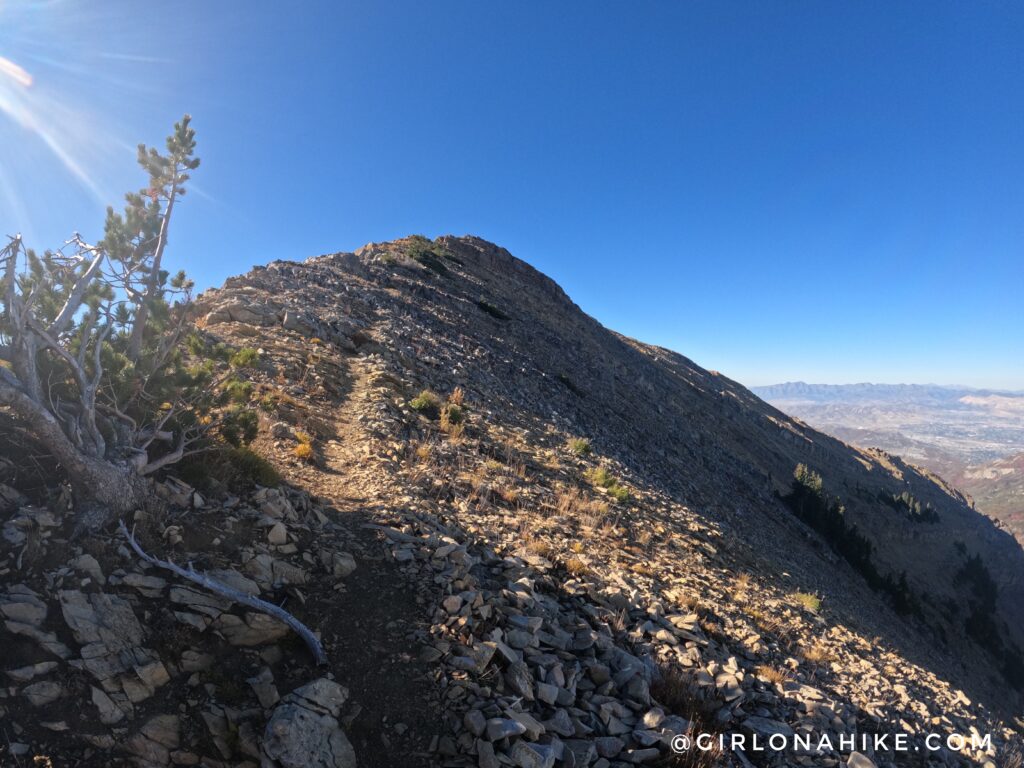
x: 972, y: 438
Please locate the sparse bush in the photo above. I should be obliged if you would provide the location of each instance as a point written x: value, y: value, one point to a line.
x: 773, y: 675
x: 905, y: 502
x: 576, y: 567
x: 580, y: 446
x: 805, y: 599
x: 457, y: 397
x: 510, y: 495
x: 540, y: 548
x: 246, y: 357
x: 818, y: 654
x: 619, y: 493
x: 429, y: 254
x: 677, y: 691
x: 452, y: 414
x: 492, y: 310
x: 232, y: 469
x: 427, y: 403
x: 239, y: 426
x: 601, y: 477
x: 239, y: 391
x: 570, y: 384
x: 827, y: 516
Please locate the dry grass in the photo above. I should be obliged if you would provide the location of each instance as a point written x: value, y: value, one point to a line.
x: 1012, y: 755
x: 540, y: 547
x: 621, y: 621
x: 510, y: 495
x: 576, y: 567
x: 806, y: 600
x: 644, y: 569
x: 457, y: 397
x: 773, y: 674
x: 818, y: 654
x: 677, y: 692
x: 423, y: 452
x: 740, y: 585
x: 303, y: 451
x: 783, y: 632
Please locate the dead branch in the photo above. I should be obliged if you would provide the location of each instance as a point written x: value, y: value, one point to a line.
x: 232, y: 594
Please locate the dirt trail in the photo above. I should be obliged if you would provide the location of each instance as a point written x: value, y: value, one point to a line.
x: 377, y: 623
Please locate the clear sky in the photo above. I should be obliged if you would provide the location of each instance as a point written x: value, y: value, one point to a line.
x: 824, y: 191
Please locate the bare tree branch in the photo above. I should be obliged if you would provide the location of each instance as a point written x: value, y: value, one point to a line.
x: 67, y: 313
x: 206, y: 582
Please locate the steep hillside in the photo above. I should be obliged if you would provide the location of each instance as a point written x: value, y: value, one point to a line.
x: 523, y: 539
x: 694, y: 448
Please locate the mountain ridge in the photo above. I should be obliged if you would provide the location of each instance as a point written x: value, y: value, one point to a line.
x: 578, y: 364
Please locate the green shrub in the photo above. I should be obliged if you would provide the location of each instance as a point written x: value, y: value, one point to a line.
x: 492, y: 310
x: 429, y: 254
x: 246, y: 357
x: 452, y: 414
x: 239, y: 426
x: 427, y: 403
x: 601, y: 477
x: 619, y: 493
x: 239, y: 391
x: 569, y: 384
x: 811, y: 602
x: 580, y: 446
x: 232, y: 469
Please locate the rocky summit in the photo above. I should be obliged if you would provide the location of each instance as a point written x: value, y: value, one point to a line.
x: 522, y: 540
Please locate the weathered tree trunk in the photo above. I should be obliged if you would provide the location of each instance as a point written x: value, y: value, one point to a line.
x: 103, y: 489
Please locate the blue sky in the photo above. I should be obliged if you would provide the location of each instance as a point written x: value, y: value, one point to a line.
x: 831, y: 192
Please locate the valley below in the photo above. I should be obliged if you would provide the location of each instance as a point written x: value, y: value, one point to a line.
x: 973, y: 439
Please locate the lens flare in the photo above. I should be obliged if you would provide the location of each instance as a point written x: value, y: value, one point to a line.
x: 16, y: 73
x: 70, y: 84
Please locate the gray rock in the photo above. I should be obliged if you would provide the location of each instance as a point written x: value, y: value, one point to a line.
x: 485, y: 757
x: 303, y: 731
x: 764, y: 728
x: 24, y: 674
x: 42, y: 693
x: 475, y: 722
x: 609, y: 746
x: 520, y: 680
x: 583, y: 752
x: 254, y: 629
x: 263, y: 686
x: 23, y: 606
x: 88, y: 565
x: 858, y: 760
x: 502, y: 728
x: 110, y: 713
x: 527, y: 755
x: 153, y: 743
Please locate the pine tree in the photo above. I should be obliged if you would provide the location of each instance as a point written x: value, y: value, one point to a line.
x: 103, y: 325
